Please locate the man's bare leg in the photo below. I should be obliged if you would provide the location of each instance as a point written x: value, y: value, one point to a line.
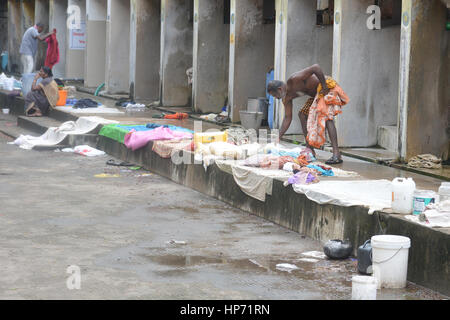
x: 304, y: 122
x: 332, y: 133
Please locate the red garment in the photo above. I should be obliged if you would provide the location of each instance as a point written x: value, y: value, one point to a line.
x: 52, y: 51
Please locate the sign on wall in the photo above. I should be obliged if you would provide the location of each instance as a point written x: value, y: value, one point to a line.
x: 77, y: 38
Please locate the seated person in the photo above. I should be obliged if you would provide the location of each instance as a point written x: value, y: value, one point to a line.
x: 43, y: 95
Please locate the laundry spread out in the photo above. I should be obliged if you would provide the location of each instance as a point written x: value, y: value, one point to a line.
x: 118, y: 132
x: 85, y: 103
x: 166, y: 148
x: 85, y: 150
x: 137, y: 139
x: 434, y: 216
x: 55, y: 135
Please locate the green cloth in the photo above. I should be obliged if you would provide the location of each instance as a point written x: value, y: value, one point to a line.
x: 113, y: 132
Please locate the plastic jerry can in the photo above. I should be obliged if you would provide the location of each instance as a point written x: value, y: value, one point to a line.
x: 444, y: 191
x: 364, y: 256
x: 402, y: 195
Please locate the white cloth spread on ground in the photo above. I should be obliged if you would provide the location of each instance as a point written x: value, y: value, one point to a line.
x: 374, y: 194
x: 436, y: 215
x: 255, y: 182
x: 56, y: 135
x: 99, y: 109
x: 85, y: 150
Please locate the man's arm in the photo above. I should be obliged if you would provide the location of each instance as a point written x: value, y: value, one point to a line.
x: 45, y: 36
x: 287, y: 116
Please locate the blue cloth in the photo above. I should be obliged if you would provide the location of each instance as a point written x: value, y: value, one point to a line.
x: 171, y: 127
x: 328, y: 173
x: 282, y: 153
x: 135, y: 127
x: 270, y: 77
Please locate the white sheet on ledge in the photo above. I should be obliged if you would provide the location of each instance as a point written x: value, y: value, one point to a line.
x: 56, y: 135
x: 374, y: 194
x: 99, y: 109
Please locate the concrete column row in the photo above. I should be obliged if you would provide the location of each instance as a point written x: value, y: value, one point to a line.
x: 396, y: 77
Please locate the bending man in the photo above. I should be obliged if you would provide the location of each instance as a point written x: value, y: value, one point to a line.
x: 305, y: 82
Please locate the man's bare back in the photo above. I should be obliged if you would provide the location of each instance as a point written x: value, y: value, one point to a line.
x: 298, y: 86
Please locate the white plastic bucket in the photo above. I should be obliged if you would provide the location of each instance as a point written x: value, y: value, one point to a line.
x: 390, y: 260
x: 364, y: 288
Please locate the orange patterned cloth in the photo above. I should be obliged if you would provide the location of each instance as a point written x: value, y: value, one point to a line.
x: 324, y: 108
x: 302, y: 160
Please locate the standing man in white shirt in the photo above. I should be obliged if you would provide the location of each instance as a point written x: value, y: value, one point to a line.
x: 29, y: 46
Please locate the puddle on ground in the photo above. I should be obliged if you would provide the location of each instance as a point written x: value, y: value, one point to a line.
x: 322, y: 279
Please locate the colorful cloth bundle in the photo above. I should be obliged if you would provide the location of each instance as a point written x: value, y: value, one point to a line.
x: 137, y: 139
x: 324, y: 109
x: 324, y: 171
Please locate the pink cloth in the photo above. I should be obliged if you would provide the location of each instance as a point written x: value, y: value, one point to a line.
x: 137, y: 139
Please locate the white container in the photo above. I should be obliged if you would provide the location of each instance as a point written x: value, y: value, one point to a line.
x: 364, y: 288
x: 421, y: 199
x: 444, y: 191
x: 402, y: 195
x: 8, y: 84
x: 5, y: 111
x: 390, y: 260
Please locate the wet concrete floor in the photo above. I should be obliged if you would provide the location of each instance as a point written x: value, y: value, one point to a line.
x: 141, y: 236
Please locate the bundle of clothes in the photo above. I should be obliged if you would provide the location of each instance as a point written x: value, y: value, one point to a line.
x: 299, y: 163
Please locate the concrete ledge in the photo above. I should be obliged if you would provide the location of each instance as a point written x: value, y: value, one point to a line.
x: 428, y: 257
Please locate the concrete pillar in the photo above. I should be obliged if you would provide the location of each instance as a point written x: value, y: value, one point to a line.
x: 251, y: 54
x: 117, y: 72
x: 424, y: 84
x: 95, y: 52
x: 145, y: 49
x: 176, y: 51
x: 299, y: 44
x: 76, y: 42
x: 27, y: 7
x: 58, y: 21
x: 364, y: 63
x: 211, y: 54
x: 15, y: 34
x: 3, y: 25
x: 41, y: 14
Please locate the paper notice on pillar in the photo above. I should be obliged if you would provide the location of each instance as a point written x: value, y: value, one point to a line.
x: 77, y: 37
